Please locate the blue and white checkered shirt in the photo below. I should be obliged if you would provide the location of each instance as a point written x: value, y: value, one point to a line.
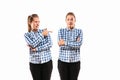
x: 70, y: 52
x: 42, y: 45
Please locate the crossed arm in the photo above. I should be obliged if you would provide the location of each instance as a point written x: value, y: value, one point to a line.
x: 72, y: 44
x: 34, y: 43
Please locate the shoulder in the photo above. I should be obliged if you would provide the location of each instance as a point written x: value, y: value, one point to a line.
x: 27, y: 34
x: 78, y: 29
x: 62, y: 29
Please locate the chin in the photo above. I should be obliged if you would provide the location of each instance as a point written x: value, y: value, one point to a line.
x: 71, y: 27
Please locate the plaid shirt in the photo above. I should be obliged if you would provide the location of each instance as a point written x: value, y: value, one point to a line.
x: 70, y: 52
x: 42, y: 45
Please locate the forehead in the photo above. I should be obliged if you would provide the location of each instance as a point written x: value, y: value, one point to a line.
x: 35, y: 19
x: 70, y: 16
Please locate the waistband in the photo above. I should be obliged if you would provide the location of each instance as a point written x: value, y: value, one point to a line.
x: 44, y: 50
x: 69, y: 48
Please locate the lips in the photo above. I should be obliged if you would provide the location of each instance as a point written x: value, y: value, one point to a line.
x: 70, y: 23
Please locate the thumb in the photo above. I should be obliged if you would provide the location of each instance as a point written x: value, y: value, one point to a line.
x: 50, y: 31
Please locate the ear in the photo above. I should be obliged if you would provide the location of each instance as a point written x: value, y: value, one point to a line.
x: 31, y: 25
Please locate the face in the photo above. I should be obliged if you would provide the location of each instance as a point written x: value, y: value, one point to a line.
x: 35, y: 23
x: 70, y: 20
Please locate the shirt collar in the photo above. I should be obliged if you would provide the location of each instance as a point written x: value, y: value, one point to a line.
x: 70, y: 29
x: 33, y: 31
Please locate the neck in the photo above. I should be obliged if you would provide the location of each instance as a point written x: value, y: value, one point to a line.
x: 70, y: 27
x: 35, y: 30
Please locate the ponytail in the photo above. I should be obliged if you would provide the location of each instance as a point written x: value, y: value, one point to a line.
x: 29, y: 26
x: 29, y: 20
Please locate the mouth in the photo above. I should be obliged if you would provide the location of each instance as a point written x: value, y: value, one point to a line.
x: 37, y: 26
x: 70, y: 23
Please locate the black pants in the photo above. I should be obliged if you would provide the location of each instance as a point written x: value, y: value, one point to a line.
x: 41, y: 71
x: 68, y: 71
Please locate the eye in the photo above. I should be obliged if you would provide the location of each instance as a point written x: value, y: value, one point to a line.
x: 71, y: 19
x: 67, y: 19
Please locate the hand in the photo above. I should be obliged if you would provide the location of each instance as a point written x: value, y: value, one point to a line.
x: 45, y: 32
x: 61, y: 42
x: 78, y: 39
x: 34, y: 49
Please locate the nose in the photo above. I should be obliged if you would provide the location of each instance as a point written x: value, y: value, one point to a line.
x: 38, y: 22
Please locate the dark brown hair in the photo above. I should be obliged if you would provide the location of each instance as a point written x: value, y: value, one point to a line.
x: 71, y: 13
x: 30, y: 19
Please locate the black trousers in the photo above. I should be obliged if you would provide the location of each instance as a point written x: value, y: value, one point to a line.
x: 41, y: 71
x: 68, y: 71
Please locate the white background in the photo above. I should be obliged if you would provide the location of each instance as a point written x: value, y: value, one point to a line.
x: 99, y: 20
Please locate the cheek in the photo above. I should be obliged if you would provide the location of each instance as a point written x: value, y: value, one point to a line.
x: 35, y: 24
x: 73, y: 22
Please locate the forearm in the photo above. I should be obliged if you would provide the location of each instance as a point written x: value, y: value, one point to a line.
x: 77, y: 43
x: 41, y: 48
x: 33, y: 42
x: 73, y: 44
x: 47, y: 44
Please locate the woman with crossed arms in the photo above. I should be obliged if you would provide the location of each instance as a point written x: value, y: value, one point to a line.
x: 69, y: 41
